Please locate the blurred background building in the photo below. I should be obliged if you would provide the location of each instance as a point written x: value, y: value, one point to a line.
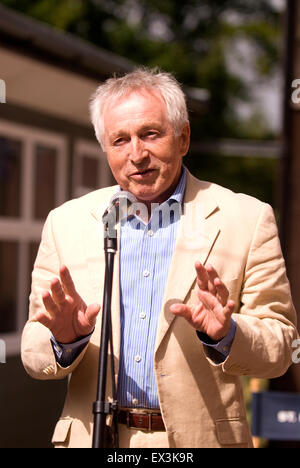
x: 228, y: 54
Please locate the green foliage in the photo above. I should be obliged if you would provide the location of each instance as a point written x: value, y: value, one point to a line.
x: 254, y: 176
x: 189, y: 38
x: 55, y: 12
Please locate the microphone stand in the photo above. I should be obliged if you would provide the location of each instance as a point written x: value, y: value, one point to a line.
x: 101, y: 408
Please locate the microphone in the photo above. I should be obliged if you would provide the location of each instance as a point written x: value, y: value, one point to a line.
x: 120, y: 207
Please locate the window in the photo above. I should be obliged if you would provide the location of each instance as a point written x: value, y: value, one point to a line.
x: 91, y: 170
x: 10, y: 176
x: 45, y: 176
x: 33, y: 180
x: 8, y: 286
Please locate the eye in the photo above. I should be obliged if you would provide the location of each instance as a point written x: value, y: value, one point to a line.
x: 119, y: 141
x: 151, y: 134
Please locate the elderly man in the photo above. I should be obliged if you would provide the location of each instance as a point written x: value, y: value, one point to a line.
x: 200, y: 297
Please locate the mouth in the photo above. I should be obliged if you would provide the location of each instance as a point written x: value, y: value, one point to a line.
x: 141, y: 175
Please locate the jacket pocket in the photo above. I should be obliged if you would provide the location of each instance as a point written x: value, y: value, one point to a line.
x: 62, y: 430
x: 232, y: 431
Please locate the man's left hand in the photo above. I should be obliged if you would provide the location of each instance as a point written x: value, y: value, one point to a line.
x: 212, y: 313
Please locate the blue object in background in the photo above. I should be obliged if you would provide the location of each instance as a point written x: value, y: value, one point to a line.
x: 276, y: 415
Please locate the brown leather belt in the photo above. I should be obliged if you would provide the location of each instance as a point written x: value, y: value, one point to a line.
x: 144, y: 421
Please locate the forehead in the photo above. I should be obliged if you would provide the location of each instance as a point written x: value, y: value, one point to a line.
x: 136, y: 104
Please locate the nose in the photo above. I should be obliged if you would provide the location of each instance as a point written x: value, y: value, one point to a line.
x: 137, y: 151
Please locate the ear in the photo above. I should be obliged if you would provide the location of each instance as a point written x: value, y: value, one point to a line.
x: 184, y: 139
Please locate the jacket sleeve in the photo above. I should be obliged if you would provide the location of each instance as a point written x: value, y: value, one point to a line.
x: 37, y: 352
x: 266, y: 318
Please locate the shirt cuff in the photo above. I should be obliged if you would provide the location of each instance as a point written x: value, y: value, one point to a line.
x: 223, y: 346
x: 66, y: 354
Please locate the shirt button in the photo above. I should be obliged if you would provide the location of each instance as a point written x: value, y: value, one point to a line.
x: 135, y: 401
x: 137, y: 358
x: 150, y: 233
x: 146, y: 273
x: 142, y: 315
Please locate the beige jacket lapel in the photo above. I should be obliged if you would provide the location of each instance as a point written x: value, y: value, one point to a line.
x: 197, y: 234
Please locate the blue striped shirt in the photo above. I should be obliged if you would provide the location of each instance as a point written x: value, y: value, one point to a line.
x: 145, y: 255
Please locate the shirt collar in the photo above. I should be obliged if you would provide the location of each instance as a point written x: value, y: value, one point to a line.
x: 178, y: 194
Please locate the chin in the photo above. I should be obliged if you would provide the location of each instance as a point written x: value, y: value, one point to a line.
x: 145, y: 198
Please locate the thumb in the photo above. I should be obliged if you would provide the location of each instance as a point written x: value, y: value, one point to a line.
x: 91, y: 313
x: 229, y: 308
x: 181, y: 310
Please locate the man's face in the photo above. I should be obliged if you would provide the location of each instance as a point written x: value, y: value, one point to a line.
x: 142, y: 150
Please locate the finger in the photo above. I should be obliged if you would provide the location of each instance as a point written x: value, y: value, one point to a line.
x: 212, y: 276
x: 222, y: 291
x: 67, y: 281
x: 49, y: 304
x: 58, y: 294
x: 202, y: 276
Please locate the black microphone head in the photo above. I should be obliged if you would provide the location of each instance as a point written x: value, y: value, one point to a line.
x: 122, y: 197
x: 120, y: 207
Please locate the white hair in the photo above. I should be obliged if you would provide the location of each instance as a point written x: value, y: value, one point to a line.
x: 141, y: 78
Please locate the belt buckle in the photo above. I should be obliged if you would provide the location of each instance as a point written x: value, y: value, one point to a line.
x: 148, y: 429
x: 150, y: 420
x: 128, y: 413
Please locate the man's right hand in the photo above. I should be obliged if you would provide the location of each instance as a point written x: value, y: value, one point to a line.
x: 67, y: 316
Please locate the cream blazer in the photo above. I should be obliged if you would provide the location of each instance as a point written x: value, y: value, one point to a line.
x: 201, y: 400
